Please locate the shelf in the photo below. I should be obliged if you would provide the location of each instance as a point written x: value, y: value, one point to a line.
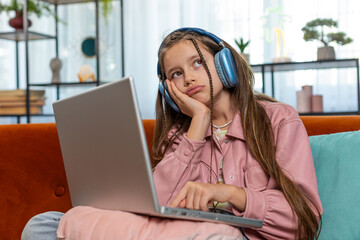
x: 272, y: 68
x: 293, y: 66
x: 24, y: 115
x: 62, y: 2
x: 19, y: 35
x: 64, y: 84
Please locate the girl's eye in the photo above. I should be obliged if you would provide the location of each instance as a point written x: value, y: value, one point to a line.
x: 176, y: 74
x: 198, y: 63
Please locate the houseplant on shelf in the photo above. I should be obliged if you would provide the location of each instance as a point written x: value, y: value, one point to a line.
x: 33, y: 7
x: 323, y: 31
x: 106, y: 8
x: 242, y: 45
x: 39, y: 8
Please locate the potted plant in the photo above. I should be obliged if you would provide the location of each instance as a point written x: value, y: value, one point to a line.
x: 38, y: 8
x: 33, y: 7
x: 242, y: 45
x: 323, y: 31
x: 106, y: 8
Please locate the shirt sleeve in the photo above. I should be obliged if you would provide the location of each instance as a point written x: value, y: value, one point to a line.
x: 181, y: 163
x: 294, y: 156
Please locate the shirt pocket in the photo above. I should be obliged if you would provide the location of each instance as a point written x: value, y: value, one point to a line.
x: 256, y: 179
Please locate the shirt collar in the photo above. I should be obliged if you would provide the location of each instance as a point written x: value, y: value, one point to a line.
x: 235, y: 130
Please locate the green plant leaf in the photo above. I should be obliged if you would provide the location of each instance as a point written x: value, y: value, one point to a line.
x: 323, y: 31
x: 39, y: 8
x: 242, y: 45
x: 339, y: 37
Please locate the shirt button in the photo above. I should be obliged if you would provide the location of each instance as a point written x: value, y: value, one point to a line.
x: 186, y: 152
x: 226, y: 141
x: 232, y: 177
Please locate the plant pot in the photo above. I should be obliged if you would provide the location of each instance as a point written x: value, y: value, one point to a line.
x: 245, y: 56
x: 326, y: 53
x: 17, y: 22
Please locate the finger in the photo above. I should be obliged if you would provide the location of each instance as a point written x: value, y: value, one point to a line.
x: 176, y: 93
x: 171, y: 90
x: 204, y: 203
x: 182, y: 204
x: 190, y: 198
x: 180, y: 197
x: 175, y: 90
x: 196, y: 201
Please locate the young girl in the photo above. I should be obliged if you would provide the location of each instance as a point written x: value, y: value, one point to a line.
x: 219, y: 146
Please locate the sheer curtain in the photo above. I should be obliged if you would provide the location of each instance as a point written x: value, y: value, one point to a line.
x: 252, y: 20
x: 146, y: 23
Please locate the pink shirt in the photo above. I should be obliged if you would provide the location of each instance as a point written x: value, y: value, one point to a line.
x: 188, y: 160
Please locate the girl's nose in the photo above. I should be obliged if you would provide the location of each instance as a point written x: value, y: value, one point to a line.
x: 189, y: 78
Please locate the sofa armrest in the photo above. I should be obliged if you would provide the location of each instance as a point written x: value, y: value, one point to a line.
x: 32, y: 175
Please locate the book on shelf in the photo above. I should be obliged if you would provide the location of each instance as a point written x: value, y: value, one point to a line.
x: 21, y: 93
x: 33, y: 103
x: 18, y: 98
x: 13, y: 102
x: 20, y: 110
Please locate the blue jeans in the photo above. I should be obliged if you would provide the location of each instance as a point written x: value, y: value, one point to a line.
x: 42, y: 227
x: 45, y: 225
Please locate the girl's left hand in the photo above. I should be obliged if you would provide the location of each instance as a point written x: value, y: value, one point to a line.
x: 187, y: 105
x: 198, y: 196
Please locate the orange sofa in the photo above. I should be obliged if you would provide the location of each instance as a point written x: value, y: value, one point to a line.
x: 32, y: 176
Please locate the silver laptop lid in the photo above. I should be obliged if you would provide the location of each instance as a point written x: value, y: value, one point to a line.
x: 100, y: 144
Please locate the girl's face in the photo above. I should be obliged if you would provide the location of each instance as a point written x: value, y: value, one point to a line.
x: 183, y: 66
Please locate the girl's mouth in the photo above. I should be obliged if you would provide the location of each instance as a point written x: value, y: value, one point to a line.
x: 192, y: 90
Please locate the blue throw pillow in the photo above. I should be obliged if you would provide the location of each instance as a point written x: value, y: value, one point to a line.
x: 337, y: 164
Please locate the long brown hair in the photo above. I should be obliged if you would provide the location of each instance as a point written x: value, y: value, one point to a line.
x: 256, y: 124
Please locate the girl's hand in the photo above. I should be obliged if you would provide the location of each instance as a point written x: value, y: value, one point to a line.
x: 187, y: 105
x: 198, y: 111
x: 198, y: 196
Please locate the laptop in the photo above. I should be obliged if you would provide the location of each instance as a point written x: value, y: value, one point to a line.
x: 106, y: 157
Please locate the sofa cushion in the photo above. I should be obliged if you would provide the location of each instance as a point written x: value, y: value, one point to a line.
x: 337, y: 164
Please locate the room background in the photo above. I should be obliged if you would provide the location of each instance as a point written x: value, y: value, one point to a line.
x: 146, y: 23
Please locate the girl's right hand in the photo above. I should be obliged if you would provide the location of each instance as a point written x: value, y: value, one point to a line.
x: 196, y: 195
x: 187, y: 105
x: 198, y: 111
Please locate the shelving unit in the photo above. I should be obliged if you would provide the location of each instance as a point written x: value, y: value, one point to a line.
x: 18, y: 36
x: 315, y: 65
x: 26, y: 36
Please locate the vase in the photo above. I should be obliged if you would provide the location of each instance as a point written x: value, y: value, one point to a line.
x: 55, y: 65
x: 326, y: 53
x: 17, y: 22
x: 317, y: 103
x: 303, y: 101
x: 246, y: 57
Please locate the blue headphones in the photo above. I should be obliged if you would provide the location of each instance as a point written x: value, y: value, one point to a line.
x: 224, y: 63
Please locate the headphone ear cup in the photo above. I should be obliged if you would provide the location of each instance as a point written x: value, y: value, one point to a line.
x: 226, y: 68
x: 164, y: 92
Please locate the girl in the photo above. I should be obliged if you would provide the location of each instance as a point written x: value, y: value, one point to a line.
x: 260, y: 153
x: 219, y: 146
